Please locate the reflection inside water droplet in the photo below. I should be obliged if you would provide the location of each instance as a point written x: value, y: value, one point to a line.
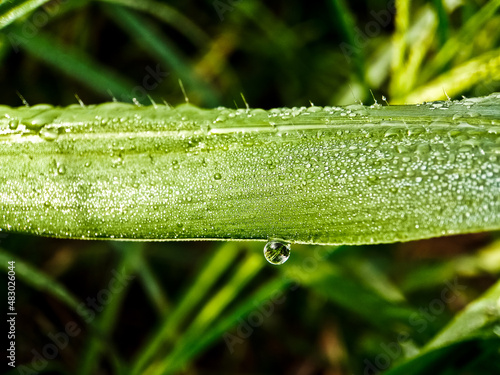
x: 277, y: 251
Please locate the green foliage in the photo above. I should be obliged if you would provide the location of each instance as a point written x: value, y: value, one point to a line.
x: 415, y: 308
x: 207, y: 43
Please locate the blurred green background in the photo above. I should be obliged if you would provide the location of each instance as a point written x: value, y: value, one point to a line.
x: 99, y: 307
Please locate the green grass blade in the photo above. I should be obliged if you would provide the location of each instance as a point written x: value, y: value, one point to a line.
x: 462, y: 38
x: 444, y: 22
x: 247, y: 269
x: 477, y: 320
x: 211, y: 310
x: 155, y: 43
x: 471, y: 322
x: 152, y: 286
x: 73, y: 63
x: 15, y: 9
x: 375, y: 279
x: 107, y: 321
x: 43, y: 283
x: 344, y: 20
x: 484, y: 262
x: 169, y: 15
x: 399, y: 37
x: 378, y: 65
x: 330, y: 282
x: 148, y: 279
x: 194, y: 344
x: 417, y: 52
x: 482, y: 69
x: 212, y: 270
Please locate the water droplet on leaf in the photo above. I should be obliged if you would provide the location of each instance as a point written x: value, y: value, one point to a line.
x: 61, y: 169
x: 13, y: 124
x: 49, y: 133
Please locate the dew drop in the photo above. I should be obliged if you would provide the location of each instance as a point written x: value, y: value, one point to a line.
x: 314, y: 109
x: 49, y: 133
x: 220, y: 118
x: 391, y: 132
x: 277, y: 251
x: 217, y: 176
x: 61, y: 169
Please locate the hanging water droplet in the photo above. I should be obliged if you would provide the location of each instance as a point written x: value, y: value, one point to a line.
x: 277, y: 251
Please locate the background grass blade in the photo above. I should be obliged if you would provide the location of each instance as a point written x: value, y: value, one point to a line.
x: 108, y: 319
x: 14, y: 9
x: 462, y: 38
x: 399, y: 39
x: 379, y: 63
x: 485, y: 68
x: 247, y: 269
x: 74, y: 63
x: 444, y: 22
x: 169, y: 15
x: 342, y: 288
x: 193, y: 344
x: 155, y: 43
x: 417, y: 51
x: 479, y: 320
x: 216, y: 265
x: 42, y: 282
x: 344, y: 21
x: 152, y: 286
